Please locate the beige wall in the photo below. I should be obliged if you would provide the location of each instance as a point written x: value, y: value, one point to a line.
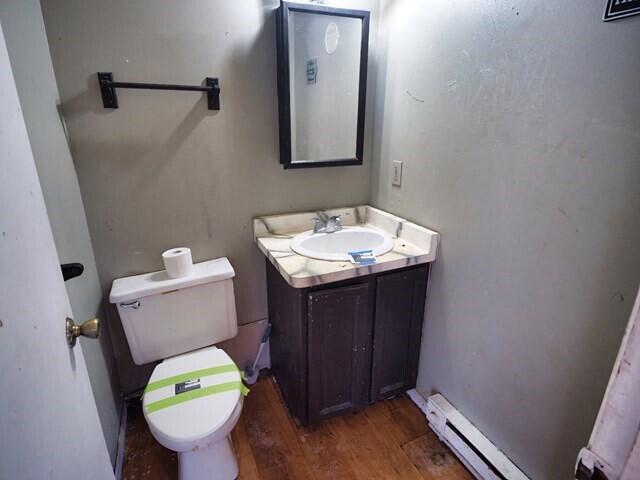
x: 517, y: 123
x: 162, y: 170
x: 31, y: 64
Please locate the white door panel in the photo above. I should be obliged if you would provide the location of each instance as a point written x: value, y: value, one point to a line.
x: 49, y: 426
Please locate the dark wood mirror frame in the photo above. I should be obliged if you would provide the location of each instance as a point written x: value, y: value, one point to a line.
x: 284, y: 100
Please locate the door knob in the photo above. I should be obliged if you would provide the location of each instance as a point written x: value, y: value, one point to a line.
x: 89, y: 329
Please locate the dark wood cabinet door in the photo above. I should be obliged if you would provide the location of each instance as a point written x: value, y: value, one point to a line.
x: 399, y: 312
x: 339, y: 325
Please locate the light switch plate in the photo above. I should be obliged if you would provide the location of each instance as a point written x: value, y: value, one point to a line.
x: 396, y: 173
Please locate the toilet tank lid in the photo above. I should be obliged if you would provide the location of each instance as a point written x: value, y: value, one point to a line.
x: 146, y: 284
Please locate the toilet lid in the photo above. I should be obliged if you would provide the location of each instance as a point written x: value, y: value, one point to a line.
x: 192, y: 395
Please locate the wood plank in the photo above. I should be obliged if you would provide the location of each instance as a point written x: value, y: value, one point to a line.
x: 318, y: 443
x: 395, y: 423
x: 388, y: 440
x: 407, y: 417
x: 325, y: 452
x: 434, y: 460
x: 246, y: 461
x: 372, y: 453
x: 144, y: 458
x: 277, y: 454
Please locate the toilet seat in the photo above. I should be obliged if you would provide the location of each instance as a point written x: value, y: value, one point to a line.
x: 208, y: 408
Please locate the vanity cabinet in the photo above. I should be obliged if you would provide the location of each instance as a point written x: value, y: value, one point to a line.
x: 339, y: 359
x: 399, y: 311
x: 337, y: 347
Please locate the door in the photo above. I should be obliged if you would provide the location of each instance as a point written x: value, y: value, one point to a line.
x: 339, y: 350
x: 613, y: 452
x: 49, y: 426
x: 400, y: 299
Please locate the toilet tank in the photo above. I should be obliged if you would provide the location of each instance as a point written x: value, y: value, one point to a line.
x: 163, y: 316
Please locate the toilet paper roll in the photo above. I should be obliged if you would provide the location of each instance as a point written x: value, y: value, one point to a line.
x: 178, y: 262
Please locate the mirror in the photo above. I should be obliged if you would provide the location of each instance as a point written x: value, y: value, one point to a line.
x: 322, y: 81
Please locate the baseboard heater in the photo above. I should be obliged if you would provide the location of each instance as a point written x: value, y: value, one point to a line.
x: 481, y: 457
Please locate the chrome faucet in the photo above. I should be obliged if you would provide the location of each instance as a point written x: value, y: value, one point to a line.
x: 326, y: 224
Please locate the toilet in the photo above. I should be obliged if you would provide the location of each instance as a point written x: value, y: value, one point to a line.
x: 194, y: 396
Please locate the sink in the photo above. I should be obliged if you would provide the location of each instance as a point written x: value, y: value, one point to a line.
x: 335, y: 246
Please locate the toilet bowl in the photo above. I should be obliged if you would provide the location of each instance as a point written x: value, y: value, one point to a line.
x: 194, y: 396
x: 199, y: 427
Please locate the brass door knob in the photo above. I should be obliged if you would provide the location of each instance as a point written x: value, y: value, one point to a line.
x: 90, y: 329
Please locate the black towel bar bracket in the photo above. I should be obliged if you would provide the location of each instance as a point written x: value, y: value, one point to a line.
x: 110, y: 99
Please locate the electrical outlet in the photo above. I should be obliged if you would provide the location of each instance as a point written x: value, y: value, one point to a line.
x: 396, y: 173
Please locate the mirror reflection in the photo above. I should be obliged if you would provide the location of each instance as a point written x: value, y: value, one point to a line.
x: 324, y: 55
x: 325, y: 83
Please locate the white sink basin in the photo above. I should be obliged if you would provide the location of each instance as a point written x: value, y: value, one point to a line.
x: 335, y: 246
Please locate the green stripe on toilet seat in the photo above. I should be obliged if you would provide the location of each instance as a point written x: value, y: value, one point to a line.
x: 193, y: 394
x: 183, y: 377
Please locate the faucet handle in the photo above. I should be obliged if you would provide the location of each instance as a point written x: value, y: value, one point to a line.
x: 334, y: 224
x: 318, y: 224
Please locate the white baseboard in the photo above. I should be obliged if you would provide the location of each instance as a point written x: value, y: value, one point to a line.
x: 419, y: 400
x: 481, y: 457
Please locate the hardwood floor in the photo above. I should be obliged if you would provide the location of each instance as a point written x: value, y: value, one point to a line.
x: 387, y: 440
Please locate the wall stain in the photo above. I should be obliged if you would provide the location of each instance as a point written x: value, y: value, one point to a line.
x: 617, y: 296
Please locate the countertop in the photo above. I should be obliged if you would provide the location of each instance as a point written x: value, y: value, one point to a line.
x: 413, y: 245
